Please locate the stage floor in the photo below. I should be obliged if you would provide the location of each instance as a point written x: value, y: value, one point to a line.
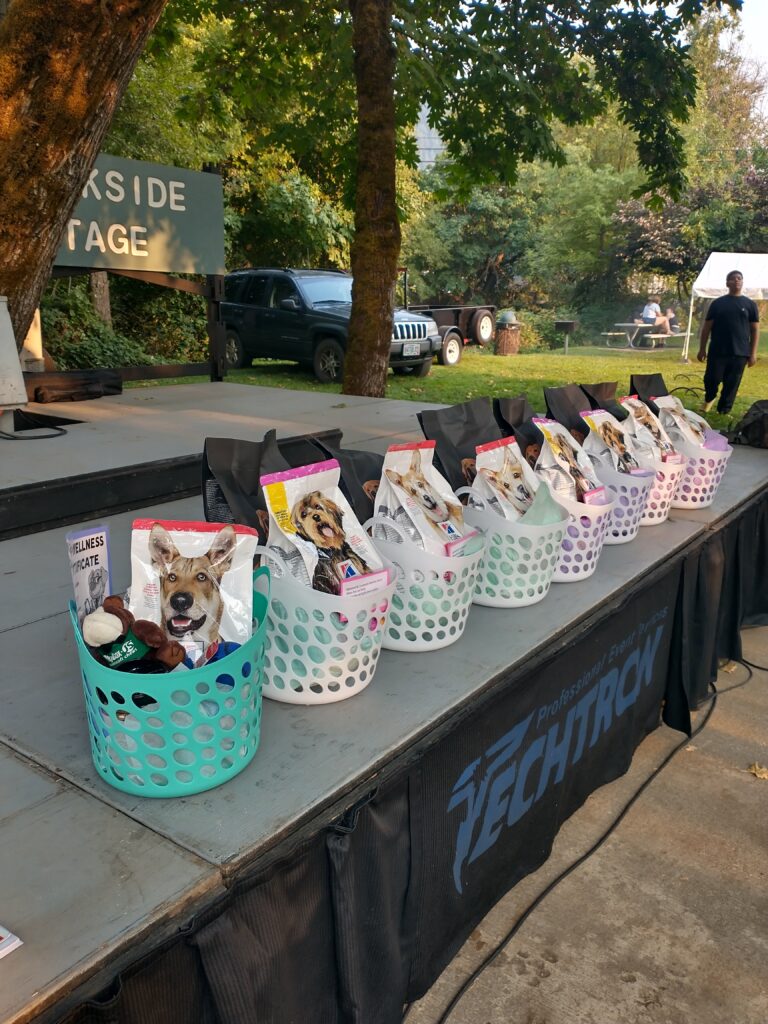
x: 88, y: 875
x: 155, y: 423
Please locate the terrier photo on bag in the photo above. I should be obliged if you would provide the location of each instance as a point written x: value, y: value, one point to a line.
x: 680, y: 423
x: 565, y: 465
x: 566, y: 453
x: 646, y: 428
x: 607, y: 444
x: 616, y: 441
x: 319, y: 520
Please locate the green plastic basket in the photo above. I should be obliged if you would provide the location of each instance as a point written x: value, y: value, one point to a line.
x: 176, y: 733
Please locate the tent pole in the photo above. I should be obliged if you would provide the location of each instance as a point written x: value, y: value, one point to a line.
x: 684, y: 356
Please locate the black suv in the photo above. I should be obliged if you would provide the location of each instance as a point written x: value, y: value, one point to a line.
x: 304, y: 315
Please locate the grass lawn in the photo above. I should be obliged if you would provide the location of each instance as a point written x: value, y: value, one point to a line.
x: 480, y: 373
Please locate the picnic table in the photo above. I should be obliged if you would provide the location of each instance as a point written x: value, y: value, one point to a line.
x: 635, y: 332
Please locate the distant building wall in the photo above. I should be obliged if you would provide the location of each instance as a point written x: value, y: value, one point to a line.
x: 428, y: 142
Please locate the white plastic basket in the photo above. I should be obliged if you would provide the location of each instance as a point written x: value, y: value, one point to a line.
x: 662, y: 492
x: 320, y: 648
x: 701, y: 476
x: 583, y: 541
x: 433, y: 593
x: 518, y: 561
x: 630, y: 494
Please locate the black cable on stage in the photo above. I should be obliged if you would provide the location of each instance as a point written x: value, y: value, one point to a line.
x: 751, y: 664
x: 55, y: 431
x: 712, y: 699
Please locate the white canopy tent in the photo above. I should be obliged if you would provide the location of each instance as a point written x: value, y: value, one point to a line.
x: 711, y: 281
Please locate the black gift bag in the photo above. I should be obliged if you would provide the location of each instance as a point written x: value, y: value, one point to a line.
x: 457, y: 431
x: 360, y: 476
x: 510, y: 413
x: 232, y: 469
x: 603, y: 396
x: 565, y: 405
x: 647, y: 386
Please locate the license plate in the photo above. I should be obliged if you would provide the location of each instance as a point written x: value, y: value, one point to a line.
x: 413, y: 348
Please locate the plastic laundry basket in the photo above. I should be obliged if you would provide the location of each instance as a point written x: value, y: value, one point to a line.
x: 662, y: 492
x: 583, y: 540
x: 630, y: 493
x: 701, y: 476
x: 518, y: 561
x: 181, y: 732
x: 433, y: 593
x: 320, y: 648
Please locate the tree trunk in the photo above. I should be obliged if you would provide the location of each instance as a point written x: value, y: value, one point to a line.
x: 64, y: 66
x: 100, y: 296
x: 376, y: 245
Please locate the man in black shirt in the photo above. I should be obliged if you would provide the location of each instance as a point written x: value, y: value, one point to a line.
x: 733, y: 322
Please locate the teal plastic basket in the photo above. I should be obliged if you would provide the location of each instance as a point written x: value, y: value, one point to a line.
x: 198, y: 729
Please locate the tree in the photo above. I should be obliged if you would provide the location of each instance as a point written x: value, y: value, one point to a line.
x: 376, y: 243
x: 495, y: 78
x: 63, y: 68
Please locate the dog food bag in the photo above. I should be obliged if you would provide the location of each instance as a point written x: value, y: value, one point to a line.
x: 313, y: 527
x: 680, y: 423
x: 650, y: 440
x: 607, y: 443
x: 196, y: 581
x: 565, y: 466
x: 415, y: 496
x: 504, y: 479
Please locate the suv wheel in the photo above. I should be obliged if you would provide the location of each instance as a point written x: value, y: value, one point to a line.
x: 233, y: 351
x: 481, y: 328
x: 451, y: 352
x: 328, y: 361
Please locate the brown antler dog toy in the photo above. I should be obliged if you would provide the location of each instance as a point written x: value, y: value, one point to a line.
x: 113, y: 629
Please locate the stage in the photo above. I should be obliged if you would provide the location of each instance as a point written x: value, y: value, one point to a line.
x: 419, y: 801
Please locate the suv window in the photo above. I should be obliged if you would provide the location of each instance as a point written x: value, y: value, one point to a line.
x: 253, y: 293
x: 233, y: 284
x: 282, y: 288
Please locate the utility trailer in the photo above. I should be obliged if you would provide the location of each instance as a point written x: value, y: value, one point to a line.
x: 458, y: 325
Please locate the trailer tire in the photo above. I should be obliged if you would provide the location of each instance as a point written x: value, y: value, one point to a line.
x: 452, y: 348
x: 481, y: 327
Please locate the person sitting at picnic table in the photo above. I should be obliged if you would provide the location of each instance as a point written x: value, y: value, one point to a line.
x: 652, y: 315
x: 671, y: 315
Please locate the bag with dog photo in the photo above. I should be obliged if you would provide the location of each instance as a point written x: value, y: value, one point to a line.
x: 607, y: 444
x: 313, y: 528
x: 232, y: 470
x: 196, y: 581
x: 566, y: 467
x: 504, y: 480
x: 650, y: 440
x: 415, y: 496
x: 457, y: 431
x: 682, y: 425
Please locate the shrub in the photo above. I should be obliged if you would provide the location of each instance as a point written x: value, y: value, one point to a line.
x: 170, y: 325
x: 538, y: 332
x: 77, y: 339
